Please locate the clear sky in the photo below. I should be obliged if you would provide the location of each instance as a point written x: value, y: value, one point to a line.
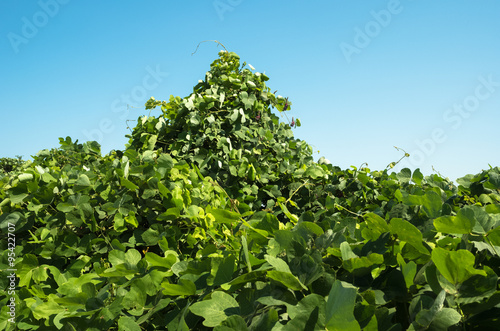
x: 363, y: 76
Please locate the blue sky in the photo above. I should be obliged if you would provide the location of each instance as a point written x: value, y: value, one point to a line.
x: 363, y: 76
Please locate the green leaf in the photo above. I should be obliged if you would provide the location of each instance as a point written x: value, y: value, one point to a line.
x: 120, y: 270
x: 404, y: 175
x: 363, y: 264
x: 128, y: 184
x: 17, y: 195
x: 483, y: 221
x: 25, y: 177
x: 132, y: 257
x: 163, y: 190
x: 162, y: 262
x: 287, y: 279
x: 494, y: 236
x: 249, y: 277
x: 232, y: 323
x: 409, y: 233
x: 340, y: 307
x: 376, y: 225
x: 346, y: 251
x: 425, y: 316
x: 277, y: 263
x: 184, y: 287
x: 131, y: 219
x: 265, y: 321
x: 216, y: 309
x: 126, y: 323
x: 445, y: 318
x: 223, y: 215
x: 409, y: 270
x: 314, y: 172
x: 82, y: 182
x: 224, y: 271
x: 460, y: 224
x: 308, y: 314
x: 431, y: 203
x: 417, y: 177
x: 47, y: 309
x: 455, y: 266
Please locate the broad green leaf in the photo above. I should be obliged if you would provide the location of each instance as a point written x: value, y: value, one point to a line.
x: 431, y: 203
x: 132, y: 257
x: 120, y: 270
x: 126, y: 323
x: 73, y: 286
x: 478, y: 288
x: 425, y: 316
x: 184, y: 287
x: 224, y: 271
x: 249, y: 277
x: 409, y: 233
x: 128, y: 184
x: 483, y: 221
x: 493, y: 208
x: 404, y: 175
x: 232, y: 323
x: 314, y: 172
x: 82, y: 182
x: 494, y: 236
x: 158, y: 307
x: 307, y: 314
x: 346, y: 251
x: 364, y: 263
x: 223, y: 215
x: 340, y: 307
x: 445, y: 318
x: 310, y: 228
x: 277, y: 263
x: 376, y: 225
x: 25, y: 177
x: 265, y: 321
x: 47, y: 309
x: 287, y: 279
x: 216, y: 309
x: 118, y: 222
x: 417, y: 177
x: 455, y: 266
x: 493, y: 181
x: 163, y: 190
x: 462, y: 223
x: 17, y: 195
x: 409, y: 270
x: 131, y: 219
x: 158, y: 261
x: 151, y: 237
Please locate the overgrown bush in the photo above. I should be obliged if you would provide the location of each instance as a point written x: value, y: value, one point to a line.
x: 215, y: 217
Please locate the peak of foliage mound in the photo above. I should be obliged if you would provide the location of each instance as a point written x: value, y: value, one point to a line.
x: 215, y: 217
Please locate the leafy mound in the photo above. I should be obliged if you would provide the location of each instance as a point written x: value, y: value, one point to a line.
x: 216, y: 217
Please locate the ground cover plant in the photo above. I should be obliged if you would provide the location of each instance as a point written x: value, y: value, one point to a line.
x: 214, y: 216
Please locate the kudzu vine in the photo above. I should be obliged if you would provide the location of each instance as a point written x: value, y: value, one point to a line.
x: 214, y: 216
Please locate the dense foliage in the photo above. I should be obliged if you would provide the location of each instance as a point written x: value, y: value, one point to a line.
x: 8, y: 164
x: 215, y: 217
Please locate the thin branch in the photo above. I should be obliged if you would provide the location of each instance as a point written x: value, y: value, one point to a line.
x: 204, y: 41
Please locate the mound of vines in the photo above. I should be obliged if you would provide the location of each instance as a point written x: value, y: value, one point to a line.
x: 214, y: 217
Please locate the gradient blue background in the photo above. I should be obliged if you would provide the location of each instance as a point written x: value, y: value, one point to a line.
x: 68, y: 78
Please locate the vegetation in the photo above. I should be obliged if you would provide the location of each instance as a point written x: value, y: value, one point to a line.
x: 8, y: 164
x: 215, y: 217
